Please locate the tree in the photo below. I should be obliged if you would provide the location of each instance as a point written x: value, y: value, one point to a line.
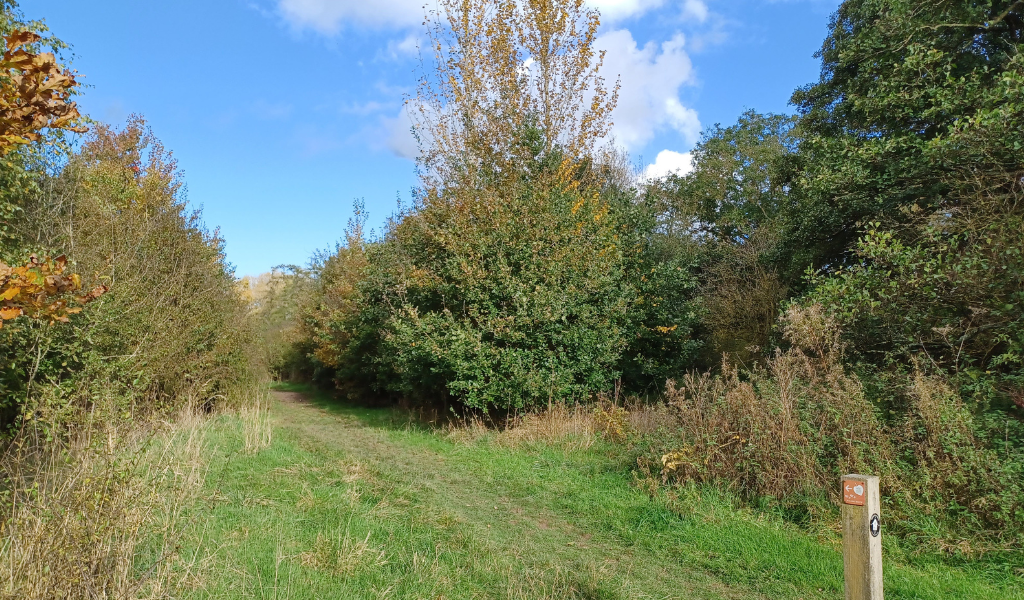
x: 510, y: 298
x: 898, y: 78
x: 911, y: 200
x: 498, y: 68
x: 512, y: 281
x: 741, y: 179
x: 733, y: 209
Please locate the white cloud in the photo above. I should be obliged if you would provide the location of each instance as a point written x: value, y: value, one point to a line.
x: 407, y: 46
x: 399, y: 137
x: 651, y: 78
x: 682, y: 119
x: 669, y: 162
x: 617, y: 10
x: 614, y: 10
x: 328, y: 16
x: 695, y: 9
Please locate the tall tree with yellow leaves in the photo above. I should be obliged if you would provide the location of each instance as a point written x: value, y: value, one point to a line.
x: 506, y: 285
x: 498, y: 67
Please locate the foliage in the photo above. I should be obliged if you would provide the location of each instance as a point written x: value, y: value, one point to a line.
x: 500, y: 68
x: 661, y: 340
x: 279, y: 301
x: 789, y: 430
x: 741, y: 179
x: 950, y: 294
x: 512, y: 299
x: 904, y: 87
x: 514, y: 291
x: 39, y: 289
x: 173, y: 327
x: 341, y: 329
x: 732, y: 210
x: 35, y: 93
x: 88, y: 489
x: 930, y: 133
x: 898, y: 191
x: 529, y: 269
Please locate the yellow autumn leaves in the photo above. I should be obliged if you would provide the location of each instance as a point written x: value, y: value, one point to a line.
x: 35, y: 93
x: 40, y: 289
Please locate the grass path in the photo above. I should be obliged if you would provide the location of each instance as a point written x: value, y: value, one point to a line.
x: 350, y: 503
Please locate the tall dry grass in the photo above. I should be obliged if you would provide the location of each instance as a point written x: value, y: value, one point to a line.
x: 572, y: 427
x: 788, y: 426
x: 254, y: 413
x: 101, y: 515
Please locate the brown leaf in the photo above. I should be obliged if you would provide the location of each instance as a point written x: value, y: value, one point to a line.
x: 6, y: 314
x: 35, y: 93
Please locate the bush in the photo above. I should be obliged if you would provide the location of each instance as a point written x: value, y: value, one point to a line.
x: 791, y: 429
x: 92, y: 488
x: 173, y: 328
x: 512, y: 300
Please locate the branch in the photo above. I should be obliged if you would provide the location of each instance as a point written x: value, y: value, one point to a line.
x: 987, y: 25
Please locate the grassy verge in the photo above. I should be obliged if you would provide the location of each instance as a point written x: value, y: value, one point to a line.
x: 358, y: 503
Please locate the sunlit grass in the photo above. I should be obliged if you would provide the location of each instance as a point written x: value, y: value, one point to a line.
x: 359, y: 503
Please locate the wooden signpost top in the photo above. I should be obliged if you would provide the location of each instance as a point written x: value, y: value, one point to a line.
x: 854, y: 492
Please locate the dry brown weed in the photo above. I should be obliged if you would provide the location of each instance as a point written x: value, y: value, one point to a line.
x: 100, y: 517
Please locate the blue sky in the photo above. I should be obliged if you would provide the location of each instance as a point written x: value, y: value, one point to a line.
x: 281, y: 112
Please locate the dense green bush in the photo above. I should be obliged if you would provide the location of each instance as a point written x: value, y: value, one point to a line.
x: 172, y: 330
x: 520, y: 297
x: 513, y: 301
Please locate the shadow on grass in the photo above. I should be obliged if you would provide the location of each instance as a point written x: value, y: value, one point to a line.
x: 381, y: 417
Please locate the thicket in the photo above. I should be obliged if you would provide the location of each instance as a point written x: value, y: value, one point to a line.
x: 835, y: 290
x: 119, y: 317
x: 894, y: 222
x: 172, y: 327
x: 528, y: 271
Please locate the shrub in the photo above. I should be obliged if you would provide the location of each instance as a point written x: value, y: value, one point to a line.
x: 790, y: 429
x: 511, y: 300
x: 172, y: 329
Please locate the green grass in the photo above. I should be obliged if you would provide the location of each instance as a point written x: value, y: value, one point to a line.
x: 359, y: 503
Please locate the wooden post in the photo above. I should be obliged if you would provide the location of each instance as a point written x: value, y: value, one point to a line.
x: 862, y: 538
